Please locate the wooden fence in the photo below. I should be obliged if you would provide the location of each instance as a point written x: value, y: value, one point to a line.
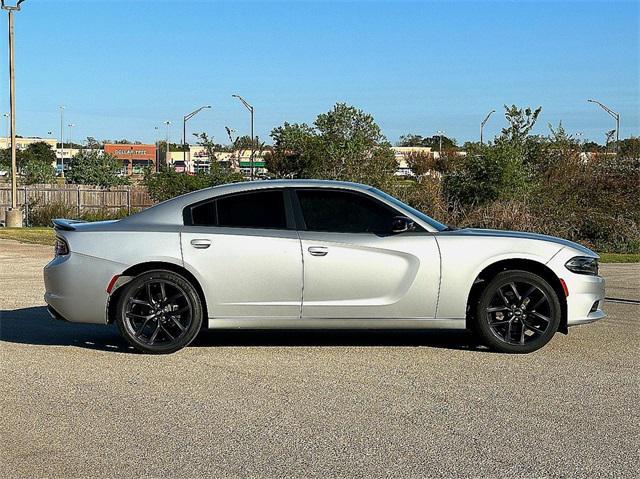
x: 82, y: 198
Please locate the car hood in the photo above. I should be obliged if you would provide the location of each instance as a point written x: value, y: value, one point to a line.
x: 474, y: 232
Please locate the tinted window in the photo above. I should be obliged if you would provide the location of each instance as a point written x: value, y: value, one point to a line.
x: 427, y: 219
x: 263, y: 209
x: 344, y: 212
x: 204, y: 214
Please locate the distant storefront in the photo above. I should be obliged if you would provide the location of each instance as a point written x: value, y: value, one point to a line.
x: 135, y: 158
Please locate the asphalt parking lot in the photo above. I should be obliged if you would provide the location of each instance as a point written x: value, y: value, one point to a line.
x: 75, y: 402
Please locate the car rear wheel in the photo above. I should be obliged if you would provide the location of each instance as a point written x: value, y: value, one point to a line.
x: 159, y: 312
x: 518, y: 312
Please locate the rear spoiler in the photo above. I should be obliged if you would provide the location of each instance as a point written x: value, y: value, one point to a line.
x: 65, y: 225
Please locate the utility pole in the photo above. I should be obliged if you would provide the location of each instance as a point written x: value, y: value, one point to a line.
x: 482, y: 125
x: 184, y: 131
x: 253, y: 139
x: 62, y: 139
x: 616, y: 116
x: 13, y: 216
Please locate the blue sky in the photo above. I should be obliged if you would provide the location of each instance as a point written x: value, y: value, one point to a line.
x: 122, y: 68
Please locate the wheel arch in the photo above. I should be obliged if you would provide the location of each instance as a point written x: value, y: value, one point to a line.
x: 140, y: 268
x: 490, y: 271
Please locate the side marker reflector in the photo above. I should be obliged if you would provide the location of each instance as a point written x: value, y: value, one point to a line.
x: 564, y: 287
x: 113, y: 282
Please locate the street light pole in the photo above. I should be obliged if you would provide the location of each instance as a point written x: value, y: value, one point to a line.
x: 482, y: 125
x: 157, y: 142
x: 253, y: 140
x: 13, y: 216
x: 440, y: 132
x: 617, y: 118
x: 7, y: 118
x: 167, y: 155
x: 184, y: 130
x: 71, y: 125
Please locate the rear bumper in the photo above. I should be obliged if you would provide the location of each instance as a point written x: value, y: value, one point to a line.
x: 75, y: 287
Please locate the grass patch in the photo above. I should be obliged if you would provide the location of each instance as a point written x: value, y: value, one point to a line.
x: 619, y: 257
x: 34, y: 235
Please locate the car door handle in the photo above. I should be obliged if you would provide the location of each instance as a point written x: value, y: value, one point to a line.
x: 200, y: 243
x: 318, y: 250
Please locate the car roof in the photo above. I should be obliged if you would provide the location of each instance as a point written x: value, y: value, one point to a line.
x: 169, y: 212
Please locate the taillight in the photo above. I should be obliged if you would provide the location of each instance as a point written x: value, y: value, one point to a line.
x: 61, y: 247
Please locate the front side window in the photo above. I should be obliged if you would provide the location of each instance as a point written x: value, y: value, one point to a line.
x: 344, y: 212
x: 262, y: 209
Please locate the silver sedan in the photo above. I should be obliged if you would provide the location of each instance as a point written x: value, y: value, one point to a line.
x: 314, y: 254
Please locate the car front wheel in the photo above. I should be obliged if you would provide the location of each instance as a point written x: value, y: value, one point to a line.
x: 159, y: 312
x: 518, y: 312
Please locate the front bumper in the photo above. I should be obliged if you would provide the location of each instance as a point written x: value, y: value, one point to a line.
x: 586, y: 292
x: 585, y: 300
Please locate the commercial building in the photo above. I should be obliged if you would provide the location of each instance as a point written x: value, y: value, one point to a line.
x: 134, y: 158
x: 197, y: 159
x: 402, y: 152
x: 23, y: 142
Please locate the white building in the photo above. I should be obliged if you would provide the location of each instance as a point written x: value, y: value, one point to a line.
x: 197, y: 159
x: 23, y: 142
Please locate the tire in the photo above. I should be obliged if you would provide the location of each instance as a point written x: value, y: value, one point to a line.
x: 518, y: 312
x: 159, y: 312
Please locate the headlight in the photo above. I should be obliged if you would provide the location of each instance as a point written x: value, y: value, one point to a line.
x: 583, y: 265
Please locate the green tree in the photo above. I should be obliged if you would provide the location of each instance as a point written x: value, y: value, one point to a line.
x: 420, y: 162
x: 92, y: 167
x: 351, y: 147
x: 521, y: 122
x: 477, y: 180
x: 343, y: 144
x: 35, y: 163
x: 168, y: 183
x: 294, y: 151
x: 432, y: 142
x: 218, y: 173
x: 630, y: 148
x: 592, y: 146
x: 503, y: 170
x: 92, y: 143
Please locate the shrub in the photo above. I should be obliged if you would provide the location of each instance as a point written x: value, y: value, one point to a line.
x: 168, y: 183
x: 42, y: 215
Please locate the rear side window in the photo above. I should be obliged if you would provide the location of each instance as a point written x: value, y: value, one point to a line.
x: 204, y: 214
x: 344, y: 212
x: 262, y: 209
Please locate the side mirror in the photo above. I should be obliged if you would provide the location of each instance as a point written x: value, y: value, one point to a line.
x: 402, y: 224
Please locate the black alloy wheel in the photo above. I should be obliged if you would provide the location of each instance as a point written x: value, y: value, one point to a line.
x: 159, y: 312
x: 518, y: 312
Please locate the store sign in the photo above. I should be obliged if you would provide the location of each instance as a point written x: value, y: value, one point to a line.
x: 131, y: 152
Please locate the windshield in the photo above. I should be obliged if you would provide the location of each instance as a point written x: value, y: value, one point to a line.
x: 399, y: 204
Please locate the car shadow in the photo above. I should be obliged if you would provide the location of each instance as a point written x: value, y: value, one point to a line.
x: 35, y: 326
x: 447, y: 339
